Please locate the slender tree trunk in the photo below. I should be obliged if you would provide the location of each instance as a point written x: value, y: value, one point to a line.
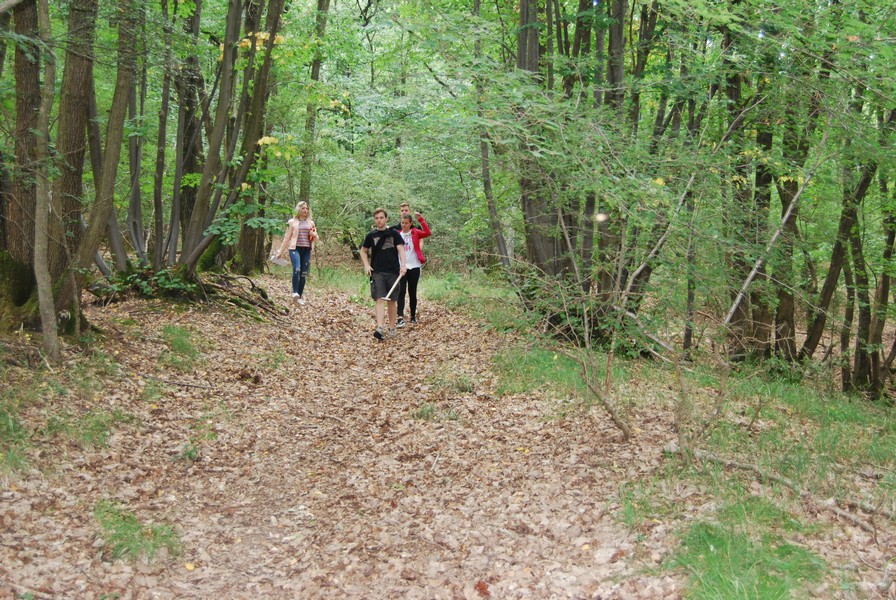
x: 135, y: 160
x: 861, y: 367
x: 323, y: 8
x: 95, y: 144
x: 493, y: 217
x: 851, y: 200
x: 214, y: 172
x: 5, y: 182
x: 44, y: 194
x: 846, y: 375
x: 762, y: 318
x: 158, y: 232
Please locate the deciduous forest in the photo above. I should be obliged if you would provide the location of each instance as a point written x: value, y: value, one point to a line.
x: 655, y: 355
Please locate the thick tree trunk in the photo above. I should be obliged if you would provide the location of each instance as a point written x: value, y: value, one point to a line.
x: 20, y: 238
x: 71, y: 142
x: 616, y: 54
x: 762, y: 318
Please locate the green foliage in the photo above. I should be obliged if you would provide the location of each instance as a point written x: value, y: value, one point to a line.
x: 127, y: 538
x: 168, y: 283
x: 90, y: 430
x: 527, y: 369
x: 729, y: 562
x: 14, y: 438
x: 182, y: 353
x: 426, y: 412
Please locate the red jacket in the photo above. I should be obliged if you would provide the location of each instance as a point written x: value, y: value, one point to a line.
x: 419, y: 234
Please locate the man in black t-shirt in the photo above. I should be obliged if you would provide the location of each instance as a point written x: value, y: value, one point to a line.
x: 383, y: 256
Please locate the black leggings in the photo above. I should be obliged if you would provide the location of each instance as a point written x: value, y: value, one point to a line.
x: 409, y: 284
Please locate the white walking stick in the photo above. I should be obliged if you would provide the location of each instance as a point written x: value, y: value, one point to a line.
x: 394, y: 285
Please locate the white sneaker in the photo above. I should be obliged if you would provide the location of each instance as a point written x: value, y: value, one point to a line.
x: 300, y: 301
x: 295, y: 297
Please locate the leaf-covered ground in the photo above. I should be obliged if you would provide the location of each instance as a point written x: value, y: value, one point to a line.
x: 300, y: 458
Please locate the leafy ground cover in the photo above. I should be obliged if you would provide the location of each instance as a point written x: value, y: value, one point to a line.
x: 194, y: 451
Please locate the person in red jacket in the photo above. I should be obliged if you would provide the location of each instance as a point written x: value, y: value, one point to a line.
x: 415, y: 260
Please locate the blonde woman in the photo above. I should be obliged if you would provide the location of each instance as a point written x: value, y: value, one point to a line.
x: 299, y: 239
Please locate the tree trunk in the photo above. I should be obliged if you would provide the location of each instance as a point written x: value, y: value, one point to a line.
x: 212, y: 172
x: 5, y: 182
x: 95, y: 144
x: 846, y: 377
x: 762, y: 318
x: 44, y: 195
x: 158, y: 231
x: 323, y: 7
x: 103, y: 208
x: 20, y: 239
x: 74, y: 102
x: 252, y: 134
x: 135, y: 160
x: 615, y: 93
x: 851, y: 201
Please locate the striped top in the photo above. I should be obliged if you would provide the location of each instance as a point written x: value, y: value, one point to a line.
x: 303, y: 237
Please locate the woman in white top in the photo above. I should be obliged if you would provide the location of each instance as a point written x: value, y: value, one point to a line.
x: 299, y: 238
x: 414, y: 260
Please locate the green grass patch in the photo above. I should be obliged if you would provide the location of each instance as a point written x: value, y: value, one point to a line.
x: 126, y: 537
x: 522, y: 370
x: 726, y: 563
x: 488, y: 299
x: 91, y: 430
x: 426, y: 412
x: 182, y: 353
x: 14, y: 439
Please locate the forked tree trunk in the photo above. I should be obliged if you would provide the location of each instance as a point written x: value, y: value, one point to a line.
x: 103, y: 208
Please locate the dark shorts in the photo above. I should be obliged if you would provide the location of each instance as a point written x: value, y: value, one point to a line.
x: 381, y: 283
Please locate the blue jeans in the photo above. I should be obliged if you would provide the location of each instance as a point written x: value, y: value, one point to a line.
x: 301, y: 261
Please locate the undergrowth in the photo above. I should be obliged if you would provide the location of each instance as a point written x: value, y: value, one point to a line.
x: 126, y: 537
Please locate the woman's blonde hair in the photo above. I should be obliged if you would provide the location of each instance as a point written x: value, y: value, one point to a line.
x: 302, y: 205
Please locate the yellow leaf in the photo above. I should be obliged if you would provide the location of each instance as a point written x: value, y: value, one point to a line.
x: 586, y: 547
x: 189, y: 566
x: 659, y: 181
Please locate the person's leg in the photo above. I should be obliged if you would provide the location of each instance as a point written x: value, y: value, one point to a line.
x: 393, y: 313
x: 402, y: 288
x: 296, y: 269
x: 305, y: 264
x: 413, y: 277
x: 381, y: 312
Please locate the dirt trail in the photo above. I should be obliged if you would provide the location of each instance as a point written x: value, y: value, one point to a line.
x: 321, y: 479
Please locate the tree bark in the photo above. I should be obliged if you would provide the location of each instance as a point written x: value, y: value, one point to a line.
x: 71, y: 141
x: 44, y: 194
x: 20, y: 212
x: 103, y: 208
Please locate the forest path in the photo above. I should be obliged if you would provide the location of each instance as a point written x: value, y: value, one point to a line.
x: 333, y: 465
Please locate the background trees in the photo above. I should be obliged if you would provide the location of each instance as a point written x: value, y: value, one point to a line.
x: 646, y: 151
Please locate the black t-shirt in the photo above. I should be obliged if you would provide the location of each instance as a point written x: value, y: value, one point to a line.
x: 384, y: 250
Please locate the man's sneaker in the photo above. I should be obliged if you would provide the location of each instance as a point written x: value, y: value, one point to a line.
x: 392, y: 333
x: 301, y: 301
x: 378, y: 333
x: 413, y: 320
x: 295, y: 297
x: 400, y: 323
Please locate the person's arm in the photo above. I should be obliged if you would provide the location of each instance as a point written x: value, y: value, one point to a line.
x: 365, y: 259
x: 403, y: 258
x: 285, y: 242
x: 425, y: 231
